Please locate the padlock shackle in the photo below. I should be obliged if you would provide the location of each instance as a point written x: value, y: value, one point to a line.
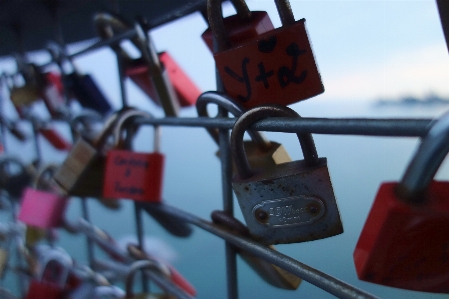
x: 142, y: 265
x: 225, y: 102
x: 108, y: 24
x: 43, y: 179
x: 215, y: 19
x: 426, y: 161
x: 253, y: 115
x: 85, y: 119
x: 48, y: 254
x: 285, y: 12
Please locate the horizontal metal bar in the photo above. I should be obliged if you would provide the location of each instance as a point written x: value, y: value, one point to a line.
x: 320, y: 279
x: 339, y: 126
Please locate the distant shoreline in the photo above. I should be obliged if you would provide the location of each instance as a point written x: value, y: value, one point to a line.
x: 431, y: 100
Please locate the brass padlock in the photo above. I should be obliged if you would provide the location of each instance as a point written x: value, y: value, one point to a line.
x: 261, y: 153
x: 270, y: 273
x: 287, y: 203
x: 82, y: 172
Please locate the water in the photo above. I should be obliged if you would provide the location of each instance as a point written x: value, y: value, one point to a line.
x: 192, y: 182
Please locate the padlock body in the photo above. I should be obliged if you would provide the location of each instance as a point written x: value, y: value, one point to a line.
x: 239, y: 30
x: 42, y: 209
x: 47, y: 290
x: 55, y: 138
x: 82, y: 172
x: 186, y: 90
x: 260, y: 158
x: 132, y: 175
x: 406, y: 245
x: 277, y: 67
x: 87, y: 92
x: 53, y: 94
x: 289, y: 203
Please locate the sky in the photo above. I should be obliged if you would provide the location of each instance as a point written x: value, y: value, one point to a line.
x: 365, y: 50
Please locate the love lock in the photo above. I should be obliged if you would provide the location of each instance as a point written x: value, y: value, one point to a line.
x: 404, y: 242
x: 289, y: 202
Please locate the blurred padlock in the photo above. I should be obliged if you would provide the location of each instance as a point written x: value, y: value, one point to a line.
x: 270, y: 273
x: 134, y: 175
x: 289, y: 202
x: 242, y: 26
x: 49, y: 132
x: 277, y: 67
x: 52, y: 277
x: 260, y: 152
x: 80, y: 86
x: 82, y: 172
x: 14, y: 176
x: 53, y: 95
x: 158, y: 75
x: 145, y: 265
x: 404, y: 242
x: 41, y: 206
x: 174, y: 275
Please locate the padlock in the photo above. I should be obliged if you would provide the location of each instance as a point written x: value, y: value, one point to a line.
x: 41, y: 206
x: 80, y: 86
x: 243, y: 26
x: 82, y: 172
x: 277, y: 67
x: 52, y: 93
x: 52, y: 277
x: 174, y: 275
x: 287, y: 203
x: 54, y: 137
x: 260, y: 152
x: 145, y: 265
x: 404, y: 241
x: 14, y: 176
x: 186, y: 90
x: 270, y: 273
x: 166, y: 84
x: 134, y: 175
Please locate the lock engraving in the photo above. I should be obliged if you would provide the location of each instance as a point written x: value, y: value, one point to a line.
x: 290, y: 211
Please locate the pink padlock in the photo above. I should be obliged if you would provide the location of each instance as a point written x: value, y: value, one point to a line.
x: 43, y: 209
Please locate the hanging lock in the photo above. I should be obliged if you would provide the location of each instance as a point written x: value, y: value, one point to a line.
x: 14, y: 176
x: 153, y: 79
x: 134, y: 175
x: 41, y: 206
x: 287, y: 203
x: 243, y: 26
x: 277, y: 67
x: 52, y: 277
x: 404, y: 241
x: 82, y: 172
x: 80, y: 86
x: 270, y: 273
x: 53, y: 95
x: 260, y: 152
x: 145, y: 265
x: 174, y: 275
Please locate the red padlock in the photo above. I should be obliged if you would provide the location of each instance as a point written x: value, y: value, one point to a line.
x: 134, y: 175
x: 41, y: 207
x: 277, y: 67
x: 52, y: 92
x: 54, y: 272
x: 243, y: 26
x: 404, y: 242
x: 55, y: 139
x: 186, y: 90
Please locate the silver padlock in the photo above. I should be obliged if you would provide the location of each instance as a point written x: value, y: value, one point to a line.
x: 287, y: 203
